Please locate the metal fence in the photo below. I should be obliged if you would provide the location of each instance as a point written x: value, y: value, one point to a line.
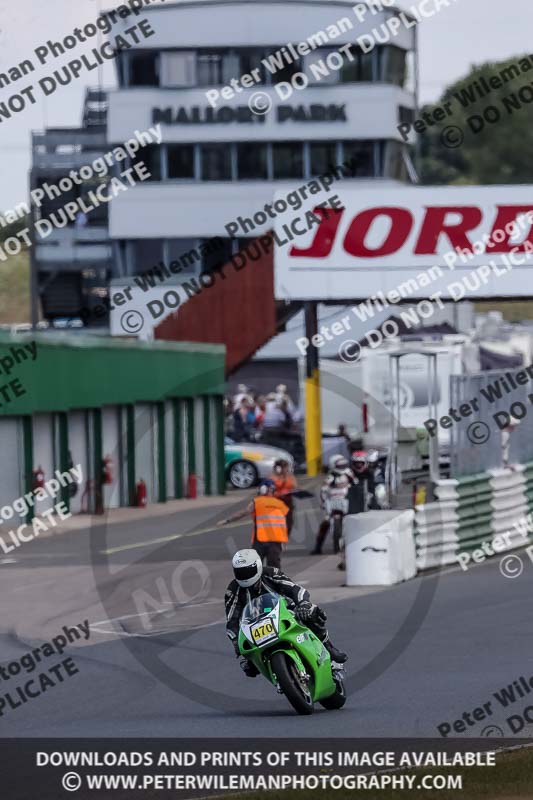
x: 477, y: 442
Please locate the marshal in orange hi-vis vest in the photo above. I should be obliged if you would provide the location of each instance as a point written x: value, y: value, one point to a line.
x: 269, y: 520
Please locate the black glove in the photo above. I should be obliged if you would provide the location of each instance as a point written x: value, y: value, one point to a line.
x: 305, y: 611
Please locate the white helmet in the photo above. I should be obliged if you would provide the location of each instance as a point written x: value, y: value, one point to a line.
x: 247, y: 567
x: 337, y: 462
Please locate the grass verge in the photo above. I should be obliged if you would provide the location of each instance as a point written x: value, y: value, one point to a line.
x: 15, y: 289
x: 510, y: 779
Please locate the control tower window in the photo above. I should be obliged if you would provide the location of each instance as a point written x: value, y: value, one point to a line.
x: 150, y: 155
x: 250, y: 60
x: 144, y: 69
x: 186, y: 253
x: 146, y: 254
x: 216, y: 162
x: 178, y: 69
x: 393, y: 161
x: 252, y: 161
x: 286, y: 72
x: 359, y: 70
x: 209, y: 67
x: 393, y: 65
x: 323, y: 156
x: 288, y: 160
x: 360, y: 156
x: 180, y: 161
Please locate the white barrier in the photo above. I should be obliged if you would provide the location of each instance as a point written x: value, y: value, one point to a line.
x: 380, y: 548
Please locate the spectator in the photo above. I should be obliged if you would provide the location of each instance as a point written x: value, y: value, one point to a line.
x: 274, y: 416
x: 260, y: 412
x: 81, y: 219
x: 282, y: 397
x: 287, y: 421
x: 241, y: 394
x: 285, y: 484
x: 241, y: 422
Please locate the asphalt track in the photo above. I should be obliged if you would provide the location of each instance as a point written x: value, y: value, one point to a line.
x: 158, y: 662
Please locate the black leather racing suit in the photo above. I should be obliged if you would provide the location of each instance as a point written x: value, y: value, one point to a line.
x: 272, y: 580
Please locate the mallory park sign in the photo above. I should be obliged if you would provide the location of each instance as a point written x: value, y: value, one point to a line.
x: 205, y: 115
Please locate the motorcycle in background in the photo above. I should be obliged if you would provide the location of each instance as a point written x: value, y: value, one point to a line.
x: 336, y: 506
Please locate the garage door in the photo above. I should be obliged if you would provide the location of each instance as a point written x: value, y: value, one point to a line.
x: 43, y: 454
x: 170, y: 433
x: 111, y: 447
x: 199, y: 443
x: 78, y: 446
x: 146, y: 448
x: 11, y: 447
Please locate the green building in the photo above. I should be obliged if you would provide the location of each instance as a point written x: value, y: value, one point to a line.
x: 154, y: 411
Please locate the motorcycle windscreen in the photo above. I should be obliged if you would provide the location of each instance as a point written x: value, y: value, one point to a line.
x: 259, y: 606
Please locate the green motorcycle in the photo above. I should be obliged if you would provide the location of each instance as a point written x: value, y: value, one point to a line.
x: 289, y: 655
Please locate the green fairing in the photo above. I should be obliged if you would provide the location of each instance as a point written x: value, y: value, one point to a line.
x: 309, y: 654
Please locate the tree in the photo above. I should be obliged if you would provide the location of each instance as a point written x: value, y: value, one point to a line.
x: 492, y: 108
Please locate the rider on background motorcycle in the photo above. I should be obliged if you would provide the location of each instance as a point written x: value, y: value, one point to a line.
x: 251, y: 580
x: 368, y: 470
x: 339, y: 472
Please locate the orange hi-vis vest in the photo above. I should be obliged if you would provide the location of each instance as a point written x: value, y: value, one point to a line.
x: 284, y: 485
x: 269, y: 520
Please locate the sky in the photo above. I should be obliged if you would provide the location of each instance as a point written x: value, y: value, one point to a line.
x: 465, y: 33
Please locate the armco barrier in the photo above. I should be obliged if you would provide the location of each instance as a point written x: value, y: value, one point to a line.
x: 472, y: 510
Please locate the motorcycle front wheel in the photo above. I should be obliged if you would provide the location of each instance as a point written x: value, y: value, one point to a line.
x: 294, y: 689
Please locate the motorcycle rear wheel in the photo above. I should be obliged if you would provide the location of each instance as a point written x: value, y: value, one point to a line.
x: 289, y: 680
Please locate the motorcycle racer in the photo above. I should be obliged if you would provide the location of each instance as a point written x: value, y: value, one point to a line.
x: 251, y: 580
x: 339, y: 474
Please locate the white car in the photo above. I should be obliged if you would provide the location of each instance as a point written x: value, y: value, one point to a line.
x: 247, y: 463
